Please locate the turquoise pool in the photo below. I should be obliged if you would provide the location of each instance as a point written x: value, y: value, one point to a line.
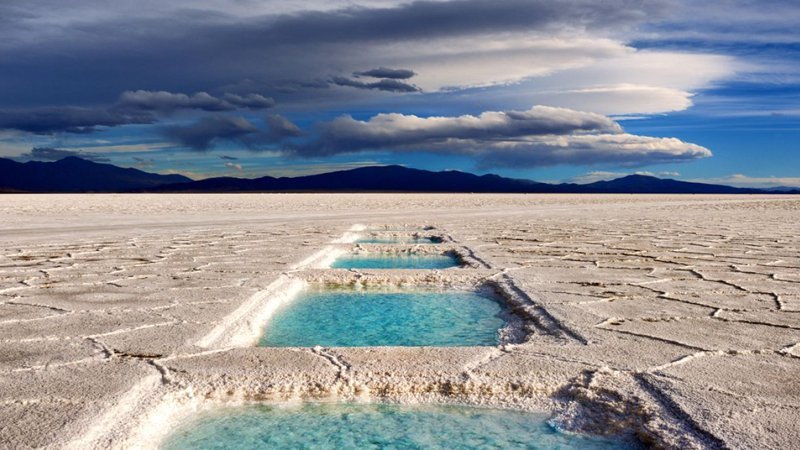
x: 358, y: 318
x: 394, y: 261
x: 377, y: 426
x: 399, y: 240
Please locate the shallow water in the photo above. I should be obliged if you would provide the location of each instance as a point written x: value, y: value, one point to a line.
x: 376, y: 426
x: 394, y: 261
x: 399, y: 240
x: 358, y: 318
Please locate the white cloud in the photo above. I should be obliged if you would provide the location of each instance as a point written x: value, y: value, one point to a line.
x: 346, y: 134
x: 619, y: 149
x: 633, y: 83
x: 486, y: 60
x: 236, y: 167
x: 540, y: 136
x: 620, y: 99
x: 587, y: 73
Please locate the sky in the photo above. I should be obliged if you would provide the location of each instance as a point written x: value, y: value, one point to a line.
x: 574, y: 90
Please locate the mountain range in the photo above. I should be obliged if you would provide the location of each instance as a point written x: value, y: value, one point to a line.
x: 73, y: 174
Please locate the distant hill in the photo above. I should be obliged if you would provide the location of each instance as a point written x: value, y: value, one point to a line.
x: 783, y: 189
x: 644, y: 184
x: 73, y: 174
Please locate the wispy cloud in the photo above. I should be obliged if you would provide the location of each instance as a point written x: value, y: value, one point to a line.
x: 55, y: 154
x: 236, y: 167
x: 741, y: 180
x: 302, y: 169
x: 144, y: 163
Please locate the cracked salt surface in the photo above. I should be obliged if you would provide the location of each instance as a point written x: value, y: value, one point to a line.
x: 374, y: 317
x: 676, y: 318
x: 361, y: 426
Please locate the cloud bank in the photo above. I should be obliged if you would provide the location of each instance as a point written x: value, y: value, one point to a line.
x: 132, y: 108
x: 68, y: 119
x: 310, y: 51
x: 399, y: 131
x: 540, y: 136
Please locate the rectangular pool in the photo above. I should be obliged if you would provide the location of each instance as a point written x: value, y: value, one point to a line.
x: 360, y: 426
x: 375, y: 317
x: 399, y: 240
x: 395, y: 261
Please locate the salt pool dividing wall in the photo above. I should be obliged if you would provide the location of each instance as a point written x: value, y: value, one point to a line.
x: 373, y: 317
x: 395, y: 261
x: 363, y: 426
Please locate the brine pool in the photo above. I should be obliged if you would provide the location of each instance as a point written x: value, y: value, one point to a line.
x: 395, y: 261
x: 399, y: 240
x: 376, y: 426
x: 375, y: 317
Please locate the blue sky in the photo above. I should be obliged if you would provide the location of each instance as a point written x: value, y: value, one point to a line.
x: 574, y: 90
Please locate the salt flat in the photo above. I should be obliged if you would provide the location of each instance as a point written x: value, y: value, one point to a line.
x: 673, y: 317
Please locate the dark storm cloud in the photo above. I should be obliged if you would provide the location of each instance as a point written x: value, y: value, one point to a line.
x: 204, y: 133
x: 48, y: 120
x: 133, y: 107
x: 251, y: 101
x: 55, y: 154
x: 387, y: 85
x: 429, y: 19
x: 384, y: 72
x: 280, y: 128
x: 167, y: 102
x: 93, y: 61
